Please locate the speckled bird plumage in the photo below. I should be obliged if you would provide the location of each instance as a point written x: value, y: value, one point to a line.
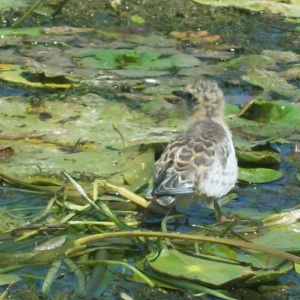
x: 200, y: 164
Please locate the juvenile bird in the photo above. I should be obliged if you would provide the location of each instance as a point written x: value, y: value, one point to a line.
x: 200, y: 164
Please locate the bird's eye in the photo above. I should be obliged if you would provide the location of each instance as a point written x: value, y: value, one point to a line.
x: 189, y: 96
x: 191, y: 100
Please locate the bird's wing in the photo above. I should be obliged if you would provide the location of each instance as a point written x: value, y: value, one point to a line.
x: 169, y: 181
x: 187, y: 169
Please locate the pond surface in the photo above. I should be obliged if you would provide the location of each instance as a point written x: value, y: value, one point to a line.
x: 70, y: 84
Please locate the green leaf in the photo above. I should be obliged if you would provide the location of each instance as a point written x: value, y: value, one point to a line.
x: 273, y: 237
x: 269, y: 119
x: 101, y: 152
x: 198, y: 268
x: 249, y: 62
x: 134, y: 59
x: 8, y: 279
x: 290, y: 8
x: 218, y: 272
x: 261, y: 158
x: 297, y: 268
x: 271, y: 111
x: 258, y: 175
x: 31, y: 31
x: 271, y: 81
x: 231, y: 109
x: 137, y: 19
x: 139, y: 170
x: 284, y: 218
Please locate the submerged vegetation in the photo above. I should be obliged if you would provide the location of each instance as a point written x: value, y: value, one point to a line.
x: 86, y: 108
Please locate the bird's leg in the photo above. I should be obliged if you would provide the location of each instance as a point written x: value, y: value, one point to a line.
x: 220, y: 216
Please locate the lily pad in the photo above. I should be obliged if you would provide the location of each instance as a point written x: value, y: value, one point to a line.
x: 249, y: 62
x: 273, y: 237
x: 198, y: 268
x: 255, y: 158
x: 216, y: 271
x: 284, y: 218
x: 269, y: 119
x: 79, y: 137
x: 271, y: 81
x: 136, y: 59
x: 15, y: 73
x: 257, y: 260
x: 258, y: 175
x: 8, y: 279
x: 137, y: 19
x: 10, y: 4
x: 31, y: 31
x: 282, y: 56
x: 292, y: 73
x: 290, y: 9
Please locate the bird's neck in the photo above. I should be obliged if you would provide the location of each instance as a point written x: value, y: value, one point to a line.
x: 199, y: 115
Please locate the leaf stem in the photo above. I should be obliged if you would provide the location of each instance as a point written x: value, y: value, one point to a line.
x: 224, y: 241
x: 27, y: 14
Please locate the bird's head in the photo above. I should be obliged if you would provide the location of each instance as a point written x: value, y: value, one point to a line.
x: 204, y: 98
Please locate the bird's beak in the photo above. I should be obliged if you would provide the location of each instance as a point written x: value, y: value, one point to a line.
x: 180, y: 94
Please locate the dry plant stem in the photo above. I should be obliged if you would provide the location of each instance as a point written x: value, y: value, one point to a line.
x: 106, y: 210
x: 245, y: 107
x: 3, y: 296
x: 103, y: 206
x: 27, y: 14
x: 82, y: 192
x: 131, y: 196
x: 92, y: 238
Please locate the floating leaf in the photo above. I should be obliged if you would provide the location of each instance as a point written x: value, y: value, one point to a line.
x: 244, y: 63
x: 17, y: 74
x: 277, y: 112
x: 290, y: 9
x: 195, y: 36
x: 269, y: 119
x: 273, y: 237
x: 231, y: 109
x: 292, y: 73
x: 42, y: 143
x: 271, y: 81
x: 258, y: 158
x: 258, y: 175
x: 31, y: 31
x: 136, y: 59
x: 198, y: 268
x: 137, y: 19
x: 8, y: 279
x: 284, y: 218
x: 282, y: 56
x: 139, y: 171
